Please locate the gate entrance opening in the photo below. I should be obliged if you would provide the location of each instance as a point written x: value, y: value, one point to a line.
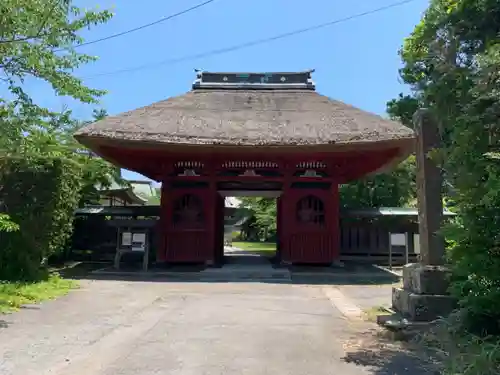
x: 250, y: 227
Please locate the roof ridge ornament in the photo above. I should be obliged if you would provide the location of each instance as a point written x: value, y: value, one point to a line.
x: 255, y: 81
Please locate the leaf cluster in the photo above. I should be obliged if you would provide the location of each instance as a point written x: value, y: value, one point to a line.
x: 452, y: 63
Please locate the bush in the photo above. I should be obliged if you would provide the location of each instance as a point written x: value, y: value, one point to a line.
x: 40, y: 196
x: 459, y: 351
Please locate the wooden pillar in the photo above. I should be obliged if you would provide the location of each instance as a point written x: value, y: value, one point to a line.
x: 214, y: 215
x: 163, y: 223
x: 285, y: 221
x: 219, y: 234
x: 278, y: 229
x: 335, y: 226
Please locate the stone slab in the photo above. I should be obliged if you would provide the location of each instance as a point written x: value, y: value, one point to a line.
x: 425, y: 279
x: 421, y: 307
x: 429, y: 183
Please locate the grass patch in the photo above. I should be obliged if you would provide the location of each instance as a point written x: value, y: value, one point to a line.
x: 14, y: 295
x: 255, y: 246
x: 267, y: 249
x: 372, y: 313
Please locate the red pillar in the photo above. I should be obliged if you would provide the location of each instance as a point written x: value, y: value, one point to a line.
x: 161, y: 250
x: 279, y: 230
x: 212, y: 225
x: 335, y: 229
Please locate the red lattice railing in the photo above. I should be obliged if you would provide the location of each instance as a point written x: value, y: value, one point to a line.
x: 311, y: 165
x: 250, y: 164
x: 189, y: 164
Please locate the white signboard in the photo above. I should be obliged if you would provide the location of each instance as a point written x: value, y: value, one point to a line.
x: 126, y: 238
x: 398, y: 239
x: 416, y: 243
x: 138, y: 242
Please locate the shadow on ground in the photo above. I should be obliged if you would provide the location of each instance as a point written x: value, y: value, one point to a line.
x: 4, y: 324
x: 310, y: 275
x: 384, y: 356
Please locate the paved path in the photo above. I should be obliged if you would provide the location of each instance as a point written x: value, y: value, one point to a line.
x: 125, y: 328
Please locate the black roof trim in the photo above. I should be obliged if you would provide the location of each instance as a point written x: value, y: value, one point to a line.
x: 259, y: 81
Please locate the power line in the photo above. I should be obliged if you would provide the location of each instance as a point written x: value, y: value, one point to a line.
x: 251, y: 43
x: 146, y: 25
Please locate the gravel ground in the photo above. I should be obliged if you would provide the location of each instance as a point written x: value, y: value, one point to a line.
x: 125, y: 327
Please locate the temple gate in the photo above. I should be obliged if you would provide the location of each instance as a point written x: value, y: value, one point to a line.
x: 259, y: 132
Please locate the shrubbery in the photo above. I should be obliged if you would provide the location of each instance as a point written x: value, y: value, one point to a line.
x: 451, y: 61
x: 40, y: 196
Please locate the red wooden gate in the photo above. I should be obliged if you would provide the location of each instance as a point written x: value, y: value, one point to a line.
x: 189, y: 233
x: 310, y: 225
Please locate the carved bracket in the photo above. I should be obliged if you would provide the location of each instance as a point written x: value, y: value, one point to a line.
x: 188, y: 173
x: 310, y: 173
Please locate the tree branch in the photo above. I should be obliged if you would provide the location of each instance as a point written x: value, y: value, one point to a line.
x: 39, y: 33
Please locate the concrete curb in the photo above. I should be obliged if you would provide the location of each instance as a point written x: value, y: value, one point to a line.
x: 346, y: 307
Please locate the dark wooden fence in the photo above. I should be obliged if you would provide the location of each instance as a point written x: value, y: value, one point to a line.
x: 95, y: 233
x: 368, y: 240
x: 364, y: 234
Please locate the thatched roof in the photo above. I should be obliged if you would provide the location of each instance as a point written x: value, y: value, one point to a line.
x: 251, y: 113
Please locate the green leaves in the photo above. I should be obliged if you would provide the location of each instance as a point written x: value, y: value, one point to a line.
x: 37, y: 39
x: 452, y: 63
x: 6, y: 225
x: 393, y: 189
x: 40, y: 196
x: 264, y: 214
x: 44, y: 175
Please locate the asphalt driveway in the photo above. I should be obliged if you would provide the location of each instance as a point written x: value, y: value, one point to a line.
x: 126, y: 327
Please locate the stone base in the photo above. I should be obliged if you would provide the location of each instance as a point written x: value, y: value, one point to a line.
x: 422, y: 279
x: 401, y: 328
x: 421, y: 307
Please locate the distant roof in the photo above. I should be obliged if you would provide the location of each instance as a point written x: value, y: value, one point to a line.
x: 247, y: 109
x: 389, y: 211
x: 123, y: 191
x: 143, y: 189
x: 139, y: 192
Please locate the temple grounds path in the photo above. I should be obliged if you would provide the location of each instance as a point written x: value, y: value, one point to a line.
x: 125, y: 327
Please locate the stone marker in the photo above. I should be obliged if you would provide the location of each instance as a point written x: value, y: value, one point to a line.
x: 429, y: 185
x: 424, y: 294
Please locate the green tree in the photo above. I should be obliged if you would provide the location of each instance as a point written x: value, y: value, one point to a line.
x: 403, y: 108
x: 452, y: 63
x: 37, y: 40
x: 390, y: 189
x: 264, y: 214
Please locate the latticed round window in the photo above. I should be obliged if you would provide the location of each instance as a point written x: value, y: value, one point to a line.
x: 188, y: 211
x: 310, y: 210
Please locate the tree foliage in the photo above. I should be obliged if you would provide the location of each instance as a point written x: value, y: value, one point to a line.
x: 452, y: 63
x: 37, y: 40
x: 40, y: 196
x: 264, y: 215
x: 394, y: 188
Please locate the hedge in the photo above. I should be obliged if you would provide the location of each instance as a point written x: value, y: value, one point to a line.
x: 40, y: 196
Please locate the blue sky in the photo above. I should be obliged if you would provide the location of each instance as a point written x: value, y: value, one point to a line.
x: 356, y: 61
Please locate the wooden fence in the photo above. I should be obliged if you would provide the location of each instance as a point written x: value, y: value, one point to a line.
x: 369, y: 240
x: 364, y: 234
